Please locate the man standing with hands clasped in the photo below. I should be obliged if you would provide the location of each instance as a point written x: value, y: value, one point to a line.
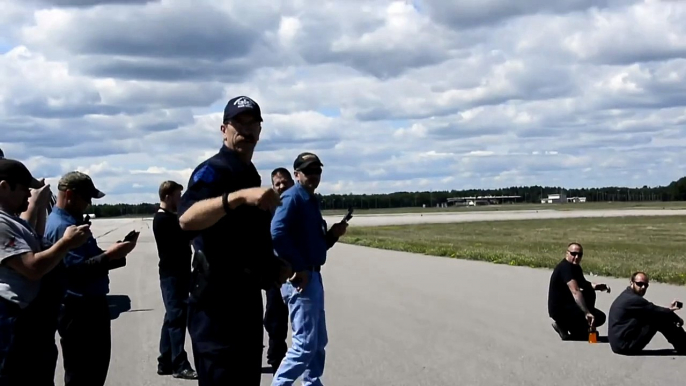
x: 301, y: 237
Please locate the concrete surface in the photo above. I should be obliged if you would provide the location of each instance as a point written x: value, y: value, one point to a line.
x: 402, y: 319
x: 450, y: 217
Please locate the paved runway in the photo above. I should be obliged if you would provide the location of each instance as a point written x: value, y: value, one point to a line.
x: 402, y: 319
x: 450, y: 217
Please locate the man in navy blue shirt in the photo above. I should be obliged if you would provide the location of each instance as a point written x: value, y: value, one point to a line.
x: 300, y: 236
x: 83, y: 280
x: 227, y: 215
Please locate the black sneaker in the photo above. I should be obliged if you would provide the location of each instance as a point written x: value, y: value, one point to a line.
x: 186, y: 374
x: 562, y: 333
x: 161, y: 370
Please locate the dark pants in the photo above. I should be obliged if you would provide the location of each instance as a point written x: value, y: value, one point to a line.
x: 276, y: 324
x: 573, y: 320
x: 41, y: 318
x: 668, y: 328
x: 226, y: 331
x: 175, y: 292
x: 84, y: 328
x: 15, y: 355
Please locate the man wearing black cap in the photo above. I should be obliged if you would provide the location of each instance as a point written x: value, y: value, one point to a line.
x: 40, y: 205
x: 81, y: 285
x: 300, y: 236
x: 24, y: 260
x: 227, y: 215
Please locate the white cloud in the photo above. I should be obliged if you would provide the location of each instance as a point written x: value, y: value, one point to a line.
x: 392, y: 95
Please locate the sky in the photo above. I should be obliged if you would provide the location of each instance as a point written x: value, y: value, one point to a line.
x: 392, y: 95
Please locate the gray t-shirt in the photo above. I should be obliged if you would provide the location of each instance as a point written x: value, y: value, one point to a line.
x: 16, y: 238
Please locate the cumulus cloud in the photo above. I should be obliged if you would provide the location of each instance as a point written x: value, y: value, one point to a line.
x: 399, y: 95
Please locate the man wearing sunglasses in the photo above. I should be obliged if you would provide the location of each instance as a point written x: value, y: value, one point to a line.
x: 571, y: 298
x: 301, y: 237
x: 634, y: 321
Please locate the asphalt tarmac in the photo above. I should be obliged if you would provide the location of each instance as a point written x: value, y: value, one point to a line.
x: 404, y: 319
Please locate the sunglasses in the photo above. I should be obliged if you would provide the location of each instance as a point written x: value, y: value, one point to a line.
x: 576, y: 253
x: 311, y: 171
x: 641, y: 284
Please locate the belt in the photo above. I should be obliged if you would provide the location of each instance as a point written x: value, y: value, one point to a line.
x: 315, y: 268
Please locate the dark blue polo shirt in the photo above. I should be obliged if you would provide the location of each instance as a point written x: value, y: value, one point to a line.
x: 238, y: 247
x: 84, y: 276
x: 299, y: 232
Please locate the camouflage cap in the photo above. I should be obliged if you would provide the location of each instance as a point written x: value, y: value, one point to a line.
x: 80, y: 183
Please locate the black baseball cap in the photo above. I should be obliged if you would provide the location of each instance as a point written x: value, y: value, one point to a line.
x: 15, y: 172
x: 80, y: 183
x: 242, y: 105
x: 306, y: 159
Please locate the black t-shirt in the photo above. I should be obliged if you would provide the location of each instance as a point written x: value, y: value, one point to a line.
x: 559, y: 295
x: 629, y: 314
x: 173, y: 245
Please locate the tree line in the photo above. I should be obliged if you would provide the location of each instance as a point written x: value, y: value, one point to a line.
x: 675, y: 191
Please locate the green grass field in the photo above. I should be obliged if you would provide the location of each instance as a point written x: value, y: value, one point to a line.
x: 613, y: 246
x: 570, y: 206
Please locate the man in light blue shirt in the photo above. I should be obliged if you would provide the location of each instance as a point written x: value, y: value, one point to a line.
x: 300, y: 236
x: 81, y: 285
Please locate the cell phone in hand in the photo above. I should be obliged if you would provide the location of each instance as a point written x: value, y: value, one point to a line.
x: 87, y: 220
x: 349, y: 215
x: 679, y: 305
x: 130, y: 236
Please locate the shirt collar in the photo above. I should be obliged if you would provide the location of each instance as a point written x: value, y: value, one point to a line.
x: 231, y: 157
x: 304, y: 193
x: 66, y: 215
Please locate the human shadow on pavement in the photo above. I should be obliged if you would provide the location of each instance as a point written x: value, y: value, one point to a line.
x: 118, y: 304
x: 663, y: 352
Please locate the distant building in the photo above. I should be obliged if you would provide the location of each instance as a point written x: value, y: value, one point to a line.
x: 558, y: 198
x: 561, y: 198
x: 481, y: 200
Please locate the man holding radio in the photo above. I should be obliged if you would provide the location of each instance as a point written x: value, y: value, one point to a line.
x: 300, y: 237
x: 634, y: 321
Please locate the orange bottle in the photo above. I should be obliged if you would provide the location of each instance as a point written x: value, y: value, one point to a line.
x: 592, y: 335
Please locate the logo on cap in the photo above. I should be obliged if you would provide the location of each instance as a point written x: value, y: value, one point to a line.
x: 244, y: 102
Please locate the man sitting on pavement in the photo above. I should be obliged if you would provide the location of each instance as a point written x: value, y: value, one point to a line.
x: 634, y: 321
x: 571, y: 298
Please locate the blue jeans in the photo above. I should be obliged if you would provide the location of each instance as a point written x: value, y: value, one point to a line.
x: 306, y: 355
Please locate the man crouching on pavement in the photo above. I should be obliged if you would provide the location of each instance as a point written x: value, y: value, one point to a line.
x: 301, y: 237
x: 571, y: 298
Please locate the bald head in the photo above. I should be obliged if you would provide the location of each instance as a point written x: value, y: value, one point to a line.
x: 639, y: 283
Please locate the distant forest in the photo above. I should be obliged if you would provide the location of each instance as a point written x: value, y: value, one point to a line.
x: 676, y: 191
